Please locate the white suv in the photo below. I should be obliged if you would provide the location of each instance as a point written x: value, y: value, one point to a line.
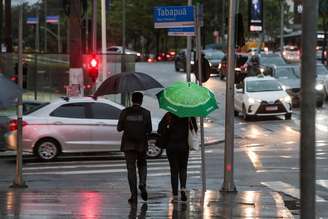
x: 70, y: 125
x: 262, y: 96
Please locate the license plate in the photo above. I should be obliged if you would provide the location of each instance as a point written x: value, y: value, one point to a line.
x: 271, y: 108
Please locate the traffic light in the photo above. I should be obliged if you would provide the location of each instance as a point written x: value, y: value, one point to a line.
x: 93, y: 67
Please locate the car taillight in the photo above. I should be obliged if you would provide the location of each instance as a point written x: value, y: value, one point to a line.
x: 13, y: 125
x: 172, y: 53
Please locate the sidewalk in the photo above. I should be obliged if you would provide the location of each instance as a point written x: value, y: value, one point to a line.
x: 109, y: 204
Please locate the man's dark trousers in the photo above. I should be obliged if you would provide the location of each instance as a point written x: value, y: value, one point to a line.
x: 132, y: 157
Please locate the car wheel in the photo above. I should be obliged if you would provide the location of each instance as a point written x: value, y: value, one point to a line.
x: 221, y: 76
x: 245, y: 116
x: 153, y: 150
x: 236, y: 113
x: 47, y: 149
x: 288, y: 116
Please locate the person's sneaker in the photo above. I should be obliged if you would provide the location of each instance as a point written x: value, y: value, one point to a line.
x: 183, y: 196
x: 144, y: 194
x: 175, y: 199
x: 133, y: 199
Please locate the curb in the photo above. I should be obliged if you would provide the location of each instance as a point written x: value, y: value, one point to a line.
x: 213, y: 142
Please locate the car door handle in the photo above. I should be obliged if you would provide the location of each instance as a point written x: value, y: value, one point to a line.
x: 101, y: 123
x: 58, y: 123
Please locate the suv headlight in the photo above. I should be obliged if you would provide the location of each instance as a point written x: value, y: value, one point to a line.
x: 286, y: 99
x: 319, y: 87
x: 252, y: 101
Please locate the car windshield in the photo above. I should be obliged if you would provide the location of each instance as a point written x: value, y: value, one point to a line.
x: 263, y: 85
x: 30, y: 107
x: 216, y: 55
x: 322, y: 70
x: 287, y: 73
x: 276, y: 60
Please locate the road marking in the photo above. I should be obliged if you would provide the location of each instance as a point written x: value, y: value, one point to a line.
x: 323, y: 183
x: 121, y: 170
x: 168, y: 173
x: 322, y: 128
x: 288, y: 189
x: 98, y: 165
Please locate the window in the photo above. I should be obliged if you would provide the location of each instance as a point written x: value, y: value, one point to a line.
x: 71, y: 110
x: 105, y: 111
x: 263, y: 85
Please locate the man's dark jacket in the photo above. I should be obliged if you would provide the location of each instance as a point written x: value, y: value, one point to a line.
x: 126, y: 144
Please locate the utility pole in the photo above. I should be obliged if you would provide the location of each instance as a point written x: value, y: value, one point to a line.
x: 123, y: 59
x: 94, y: 26
x: 281, y: 25
x: 1, y: 24
x: 188, y: 58
x: 45, y: 25
x: 76, y: 79
x: 308, y: 105
x: 8, y: 39
x: 199, y: 58
x: 18, y: 182
x: 37, y: 50
x: 223, y: 20
x: 103, y: 40
x: 228, y: 183
x: 59, y: 38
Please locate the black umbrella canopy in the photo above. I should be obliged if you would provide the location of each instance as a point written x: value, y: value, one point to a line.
x: 9, y: 92
x: 127, y: 82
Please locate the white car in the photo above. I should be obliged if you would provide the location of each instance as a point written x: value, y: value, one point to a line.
x: 72, y: 125
x: 119, y: 50
x: 262, y: 96
x: 322, y: 78
x: 291, y: 54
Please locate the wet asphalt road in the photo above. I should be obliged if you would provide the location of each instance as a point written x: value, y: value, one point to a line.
x: 266, y: 158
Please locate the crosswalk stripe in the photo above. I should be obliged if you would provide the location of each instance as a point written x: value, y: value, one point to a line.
x: 168, y: 173
x: 98, y: 165
x: 287, y: 189
x: 323, y: 183
x: 100, y: 171
x: 194, y: 156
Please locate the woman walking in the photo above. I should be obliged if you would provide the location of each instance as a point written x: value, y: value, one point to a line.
x: 177, y: 149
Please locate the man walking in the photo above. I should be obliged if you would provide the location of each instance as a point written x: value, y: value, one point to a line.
x: 135, y: 122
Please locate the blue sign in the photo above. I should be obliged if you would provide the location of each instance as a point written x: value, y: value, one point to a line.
x: 181, y: 31
x: 174, y: 16
x: 32, y: 20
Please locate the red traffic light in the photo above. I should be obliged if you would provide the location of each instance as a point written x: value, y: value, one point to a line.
x: 94, y: 63
x: 93, y: 67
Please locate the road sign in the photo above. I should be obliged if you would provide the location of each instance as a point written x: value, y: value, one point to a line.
x: 52, y: 19
x: 32, y: 20
x: 174, y: 16
x: 181, y: 31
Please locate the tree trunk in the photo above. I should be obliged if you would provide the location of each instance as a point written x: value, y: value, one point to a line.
x: 8, y: 37
x: 75, y: 35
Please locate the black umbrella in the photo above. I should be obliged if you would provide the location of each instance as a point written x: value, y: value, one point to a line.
x: 127, y: 82
x: 9, y: 92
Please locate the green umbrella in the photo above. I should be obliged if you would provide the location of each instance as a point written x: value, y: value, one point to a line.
x: 186, y: 99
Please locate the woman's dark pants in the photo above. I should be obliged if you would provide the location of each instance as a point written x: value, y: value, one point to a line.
x: 178, y: 159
